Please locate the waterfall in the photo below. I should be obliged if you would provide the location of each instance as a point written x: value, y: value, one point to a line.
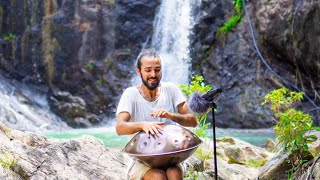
x: 173, y: 26
x: 172, y: 29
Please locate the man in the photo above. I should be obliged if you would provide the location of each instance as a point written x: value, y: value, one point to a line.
x: 147, y: 106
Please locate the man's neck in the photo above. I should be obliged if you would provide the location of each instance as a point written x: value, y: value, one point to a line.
x: 147, y: 94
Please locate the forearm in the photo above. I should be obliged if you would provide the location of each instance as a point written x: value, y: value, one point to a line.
x: 127, y: 128
x: 184, y: 119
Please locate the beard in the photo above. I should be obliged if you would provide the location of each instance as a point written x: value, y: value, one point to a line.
x: 151, y: 87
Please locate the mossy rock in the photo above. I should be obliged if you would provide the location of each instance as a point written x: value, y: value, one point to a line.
x: 227, y: 139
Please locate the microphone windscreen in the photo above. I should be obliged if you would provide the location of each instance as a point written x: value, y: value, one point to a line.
x: 198, y: 104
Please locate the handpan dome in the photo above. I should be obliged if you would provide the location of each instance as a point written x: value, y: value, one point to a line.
x: 173, y: 145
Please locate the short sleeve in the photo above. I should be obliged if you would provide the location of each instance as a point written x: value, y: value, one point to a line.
x: 177, y: 95
x: 125, y: 103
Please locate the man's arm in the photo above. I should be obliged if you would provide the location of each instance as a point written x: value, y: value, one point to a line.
x: 184, y: 117
x: 124, y: 127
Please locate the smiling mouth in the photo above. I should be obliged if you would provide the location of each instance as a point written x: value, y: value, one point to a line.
x: 153, y: 80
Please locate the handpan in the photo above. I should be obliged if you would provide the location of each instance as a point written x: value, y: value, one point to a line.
x: 170, y: 147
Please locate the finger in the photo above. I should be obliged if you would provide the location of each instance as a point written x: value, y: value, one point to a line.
x: 147, y: 132
x: 159, y: 127
x: 155, y: 129
x: 159, y: 123
x: 160, y: 113
x: 151, y: 130
x: 154, y: 113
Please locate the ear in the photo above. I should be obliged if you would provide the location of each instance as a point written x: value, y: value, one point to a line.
x: 138, y: 71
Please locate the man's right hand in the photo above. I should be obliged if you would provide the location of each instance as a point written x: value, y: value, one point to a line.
x: 151, y: 127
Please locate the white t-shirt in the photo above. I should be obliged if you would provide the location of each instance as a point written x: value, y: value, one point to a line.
x: 140, y: 109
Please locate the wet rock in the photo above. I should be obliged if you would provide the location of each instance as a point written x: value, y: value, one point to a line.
x: 21, y: 97
x: 314, y: 147
x: 72, y: 109
x: 235, y: 155
x: 270, y: 145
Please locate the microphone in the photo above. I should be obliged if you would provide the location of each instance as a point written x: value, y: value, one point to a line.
x: 200, y: 103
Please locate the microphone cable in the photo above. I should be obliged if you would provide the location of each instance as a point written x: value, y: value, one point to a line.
x: 268, y: 66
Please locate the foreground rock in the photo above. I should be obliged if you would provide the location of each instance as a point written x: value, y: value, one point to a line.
x: 236, y: 160
x: 30, y: 156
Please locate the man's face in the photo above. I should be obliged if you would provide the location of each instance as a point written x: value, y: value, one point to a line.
x: 150, y: 72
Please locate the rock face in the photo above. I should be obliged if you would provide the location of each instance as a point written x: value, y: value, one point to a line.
x: 287, y: 33
x: 72, y: 109
x: 30, y: 156
x: 84, y: 47
x: 292, y: 29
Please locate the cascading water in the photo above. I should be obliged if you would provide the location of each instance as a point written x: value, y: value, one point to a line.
x: 172, y: 29
x: 23, y: 108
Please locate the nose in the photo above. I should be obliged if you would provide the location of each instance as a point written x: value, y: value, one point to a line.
x: 153, y: 73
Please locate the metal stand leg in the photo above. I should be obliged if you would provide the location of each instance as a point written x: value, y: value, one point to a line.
x: 214, y: 142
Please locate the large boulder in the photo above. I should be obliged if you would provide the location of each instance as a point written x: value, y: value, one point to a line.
x: 72, y: 109
x: 30, y: 156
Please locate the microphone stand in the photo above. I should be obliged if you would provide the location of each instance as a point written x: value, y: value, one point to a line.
x: 213, y: 106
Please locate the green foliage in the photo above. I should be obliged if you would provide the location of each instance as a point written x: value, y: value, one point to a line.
x: 8, y: 36
x: 100, y: 81
x: 292, y: 124
x: 234, y: 20
x: 316, y: 128
x: 198, y: 85
x: 90, y: 66
x: 192, y: 174
x: 258, y: 163
x: 231, y: 23
x: 204, y: 155
x: 201, y: 130
x: 238, y: 6
x: 7, y: 160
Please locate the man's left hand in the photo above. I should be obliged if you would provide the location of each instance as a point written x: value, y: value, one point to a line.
x: 161, y: 113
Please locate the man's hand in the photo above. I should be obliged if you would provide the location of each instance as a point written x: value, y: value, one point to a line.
x: 152, y: 127
x: 183, y: 117
x: 161, y: 113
